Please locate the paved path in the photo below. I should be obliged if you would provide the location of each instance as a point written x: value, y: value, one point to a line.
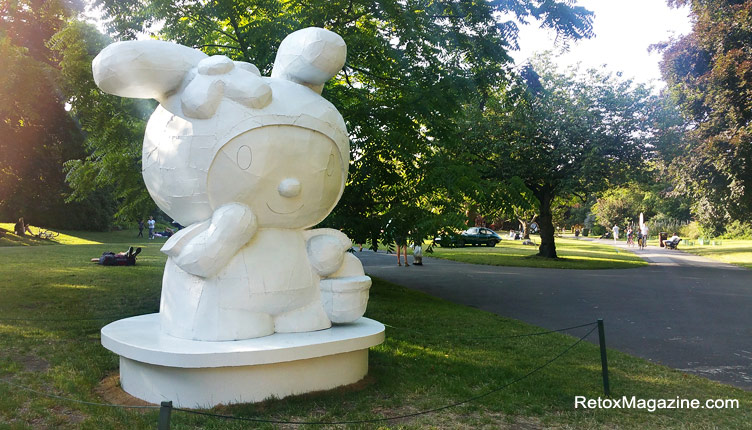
x: 684, y: 311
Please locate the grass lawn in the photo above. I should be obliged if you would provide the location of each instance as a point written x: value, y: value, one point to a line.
x: 66, y: 237
x: 573, y: 254
x: 436, y: 353
x: 738, y: 252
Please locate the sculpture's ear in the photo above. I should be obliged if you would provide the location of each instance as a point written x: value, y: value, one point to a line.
x: 310, y: 57
x: 143, y: 68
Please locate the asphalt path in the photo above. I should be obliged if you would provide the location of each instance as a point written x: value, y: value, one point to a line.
x: 683, y: 311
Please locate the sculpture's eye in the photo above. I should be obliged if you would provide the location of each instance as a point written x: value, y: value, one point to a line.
x: 245, y: 157
x: 330, y: 165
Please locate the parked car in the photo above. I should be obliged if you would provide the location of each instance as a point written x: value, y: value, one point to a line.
x: 475, y: 236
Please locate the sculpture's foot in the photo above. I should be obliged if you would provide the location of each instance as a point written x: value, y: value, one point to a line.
x: 307, y: 318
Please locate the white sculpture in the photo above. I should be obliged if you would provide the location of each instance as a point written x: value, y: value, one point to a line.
x: 248, y: 164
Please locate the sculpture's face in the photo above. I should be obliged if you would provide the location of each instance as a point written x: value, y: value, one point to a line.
x: 291, y: 177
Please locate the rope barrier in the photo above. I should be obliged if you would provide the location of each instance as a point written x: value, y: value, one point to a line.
x: 118, y: 317
x: 364, y: 421
x: 67, y: 399
x: 540, y: 333
x: 397, y: 417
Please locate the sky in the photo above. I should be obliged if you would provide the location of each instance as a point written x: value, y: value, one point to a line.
x: 624, y: 29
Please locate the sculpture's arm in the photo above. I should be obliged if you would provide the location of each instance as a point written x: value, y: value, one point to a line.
x: 204, y: 248
x: 326, y: 249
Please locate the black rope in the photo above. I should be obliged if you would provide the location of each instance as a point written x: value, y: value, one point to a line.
x: 540, y: 333
x: 55, y: 396
x: 374, y: 420
x: 398, y: 417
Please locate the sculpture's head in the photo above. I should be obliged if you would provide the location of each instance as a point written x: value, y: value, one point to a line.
x: 223, y: 133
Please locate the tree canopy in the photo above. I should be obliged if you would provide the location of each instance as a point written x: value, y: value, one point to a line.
x: 565, y: 135
x: 113, y: 126
x: 36, y: 133
x: 442, y: 125
x: 709, y: 73
x: 412, y: 69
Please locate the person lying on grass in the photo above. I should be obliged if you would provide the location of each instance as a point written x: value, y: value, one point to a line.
x: 109, y: 258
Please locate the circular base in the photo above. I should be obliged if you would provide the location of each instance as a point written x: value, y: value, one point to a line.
x: 157, y: 367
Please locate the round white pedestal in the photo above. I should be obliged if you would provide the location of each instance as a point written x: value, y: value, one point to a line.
x: 194, y: 374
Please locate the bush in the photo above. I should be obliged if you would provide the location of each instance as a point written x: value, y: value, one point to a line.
x: 690, y: 231
x: 597, y: 230
x: 664, y: 223
x: 738, y: 230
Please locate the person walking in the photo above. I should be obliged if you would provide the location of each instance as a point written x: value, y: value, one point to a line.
x: 615, y: 229
x: 644, y: 232
x: 401, y: 248
x: 140, y: 228
x: 151, y: 224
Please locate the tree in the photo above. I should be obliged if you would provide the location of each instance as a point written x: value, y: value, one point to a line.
x: 36, y: 133
x: 621, y: 205
x: 709, y: 73
x: 113, y: 126
x: 565, y: 136
x: 412, y: 67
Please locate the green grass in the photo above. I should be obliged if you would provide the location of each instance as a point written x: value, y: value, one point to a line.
x: 436, y: 353
x: 68, y: 237
x: 738, y: 252
x: 573, y: 254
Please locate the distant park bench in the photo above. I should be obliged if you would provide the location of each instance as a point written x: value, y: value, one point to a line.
x: 672, y: 244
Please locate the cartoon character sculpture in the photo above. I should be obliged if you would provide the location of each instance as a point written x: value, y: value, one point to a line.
x: 248, y: 164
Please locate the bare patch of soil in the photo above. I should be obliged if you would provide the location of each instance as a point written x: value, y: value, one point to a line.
x: 70, y: 416
x: 32, y: 363
x: 111, y: 392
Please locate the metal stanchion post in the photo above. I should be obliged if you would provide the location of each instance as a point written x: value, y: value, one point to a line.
x: 164, y: 416
x: 604, y: 359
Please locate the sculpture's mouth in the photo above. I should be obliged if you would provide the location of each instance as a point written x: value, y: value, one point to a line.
x: 284, y: 213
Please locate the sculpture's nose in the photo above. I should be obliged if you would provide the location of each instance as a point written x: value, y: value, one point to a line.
x: 289, y: 187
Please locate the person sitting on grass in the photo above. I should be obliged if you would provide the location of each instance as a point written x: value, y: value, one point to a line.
x: 21, y: 228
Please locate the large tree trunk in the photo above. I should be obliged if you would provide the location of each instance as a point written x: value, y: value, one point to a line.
x: 545, y: 221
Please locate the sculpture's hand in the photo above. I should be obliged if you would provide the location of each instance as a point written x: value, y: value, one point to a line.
x: 204, y: 248
x: 177, y: 241
x: 326, y: 249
